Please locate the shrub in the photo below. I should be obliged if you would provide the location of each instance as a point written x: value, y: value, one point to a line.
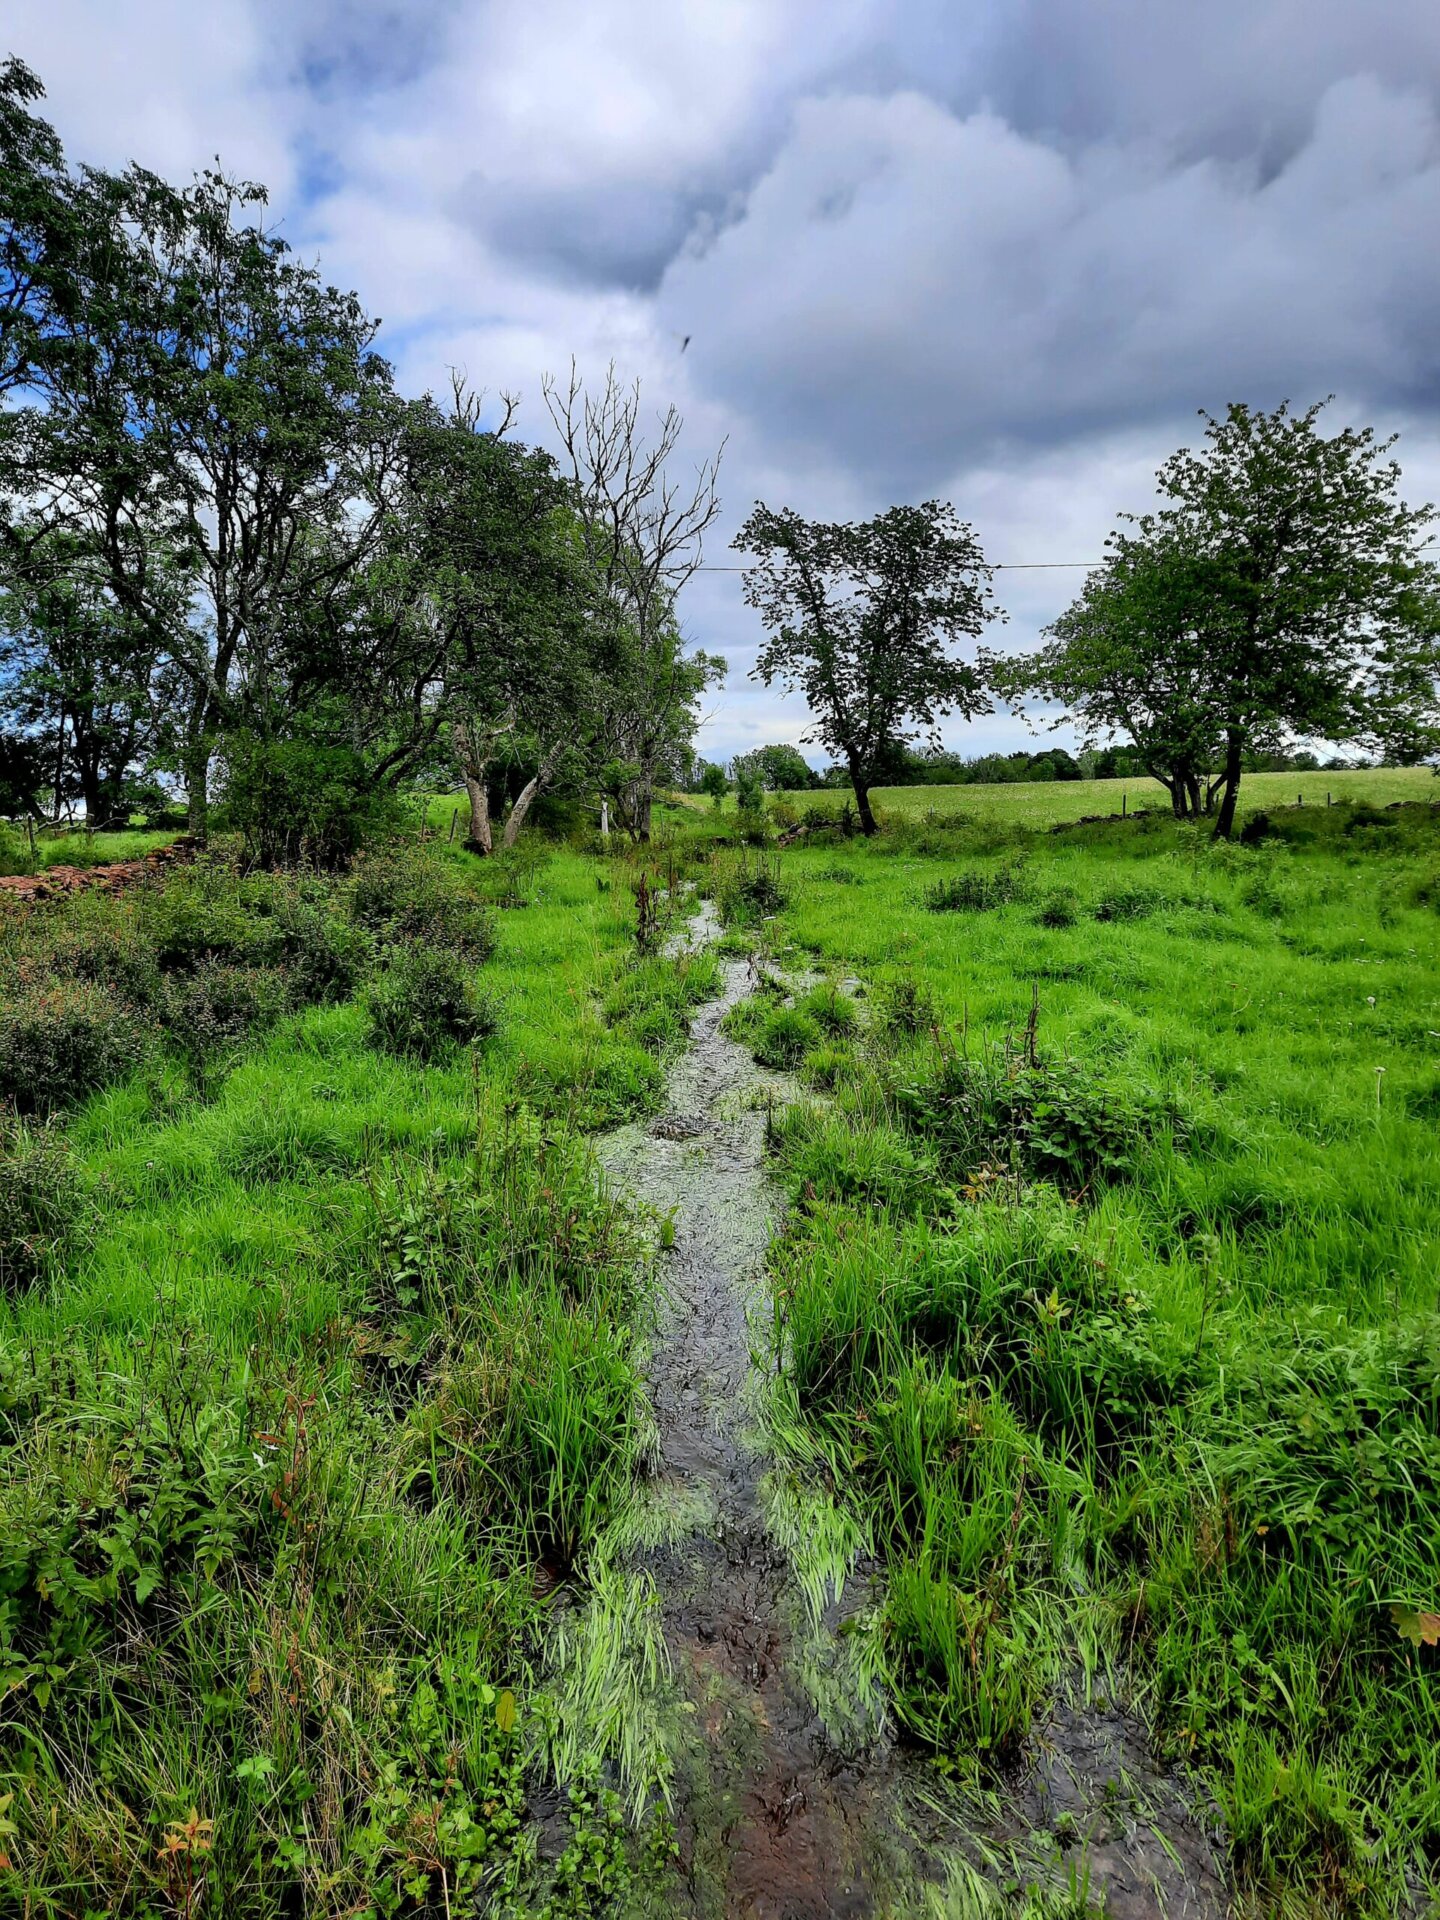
x: 209, y: 1013
x: 324, y: 956
x: 976, y: 890
x: 402, y: 894
x: 205, y: 913
x: 60, y: 1042
x: 1059, y: 908
x: 299, y: 799
x: 1057, y: 1121
x: 425, y: 1004
x: 747, y: 891
x: 43, y: 1203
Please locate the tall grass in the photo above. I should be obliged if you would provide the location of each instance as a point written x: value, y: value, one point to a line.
x: 1108, y: 1296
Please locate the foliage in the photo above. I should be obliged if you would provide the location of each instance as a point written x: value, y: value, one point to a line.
x: 61, y: 1041
x: 1280, y: 589
x: 859, y: 617
x: 44, y: 1205
x: 425, y: 1004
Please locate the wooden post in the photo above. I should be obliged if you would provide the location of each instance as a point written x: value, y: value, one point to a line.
x: 604, y: 819
x: 454, y: 818
x: 1124, y: 803
x: 1299, y: 799
x: 1327, y: 796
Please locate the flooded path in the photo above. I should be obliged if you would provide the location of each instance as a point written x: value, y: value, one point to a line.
x: 793, y: 1802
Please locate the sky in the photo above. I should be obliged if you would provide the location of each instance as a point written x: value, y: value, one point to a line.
x: 997, y: 254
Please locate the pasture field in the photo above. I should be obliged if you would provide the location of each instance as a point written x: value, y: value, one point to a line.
x: 317, y: 1370
x: 1108, y: 1300
x: 1102, y: 1325
x: 1049, y: 803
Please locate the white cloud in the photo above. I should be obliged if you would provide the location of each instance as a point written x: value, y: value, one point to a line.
x: 1002, y: 259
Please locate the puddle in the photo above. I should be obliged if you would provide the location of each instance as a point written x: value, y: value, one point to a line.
x: 792, y: 1798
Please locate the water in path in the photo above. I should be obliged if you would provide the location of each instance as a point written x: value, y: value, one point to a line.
x: 785, y: 1811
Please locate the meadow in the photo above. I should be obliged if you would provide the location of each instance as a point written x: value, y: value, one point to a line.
x: 317, y: 1372
x: 1049, y: 803
x: 1107, y: 1307
x: 1103, y: 1324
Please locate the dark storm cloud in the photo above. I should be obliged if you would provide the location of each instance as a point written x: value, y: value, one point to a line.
x: 909, y: 290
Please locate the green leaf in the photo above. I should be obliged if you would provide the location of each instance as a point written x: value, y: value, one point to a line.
x: 505, y: 1712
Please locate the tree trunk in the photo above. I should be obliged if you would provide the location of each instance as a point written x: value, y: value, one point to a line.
x: 643, y: 801
x: 1192, y: 791
x: 604, y: 819
x: 479, y: 836
x: 1225, y: 819
x: 862, y: 801
x: 197, y: 791
x: 527, y: 793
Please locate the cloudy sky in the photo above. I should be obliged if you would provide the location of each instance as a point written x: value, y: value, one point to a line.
x: 998, y: 253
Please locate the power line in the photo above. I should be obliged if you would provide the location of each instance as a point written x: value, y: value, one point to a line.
x: 999, y: 566
x: 1018, y: 566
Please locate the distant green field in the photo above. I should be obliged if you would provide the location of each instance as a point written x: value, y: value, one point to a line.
x: 72, y: 849
x: 1046, y: 803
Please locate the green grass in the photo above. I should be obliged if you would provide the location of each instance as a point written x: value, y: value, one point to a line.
x: 77, y: 849
x: 342, y: 1350
x: 1109, y: 1300
x: 1049, y: 803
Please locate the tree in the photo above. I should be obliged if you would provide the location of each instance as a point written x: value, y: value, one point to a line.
x: 1128, y: 658
x: 859, y: 619
x: 199, y: 399
x: 781, y: 768
x: 1296, y: 567
x: 642, y: 534
x: 713, y: 781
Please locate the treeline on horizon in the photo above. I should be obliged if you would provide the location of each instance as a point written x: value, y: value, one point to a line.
x: 238, y: 565
x: 784, y: 769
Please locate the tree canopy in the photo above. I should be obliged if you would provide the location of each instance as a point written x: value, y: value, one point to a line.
x: 861, y: 617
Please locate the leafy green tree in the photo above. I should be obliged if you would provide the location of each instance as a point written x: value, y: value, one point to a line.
x: 860, y: 618
x: 1128, y: 658
x: 782, y: 768
x: 1296, y: 566
x: 198, y: 401
x: 714, y: 782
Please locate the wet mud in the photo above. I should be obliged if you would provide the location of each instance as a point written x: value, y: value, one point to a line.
x: 794, y: 1799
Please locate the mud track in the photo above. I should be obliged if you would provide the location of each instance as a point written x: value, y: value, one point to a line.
x: 788, y: 1812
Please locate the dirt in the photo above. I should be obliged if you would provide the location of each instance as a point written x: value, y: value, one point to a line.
x: 795, y: 1798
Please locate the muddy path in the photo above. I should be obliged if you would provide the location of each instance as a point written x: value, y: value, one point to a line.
x: 793, y: 1798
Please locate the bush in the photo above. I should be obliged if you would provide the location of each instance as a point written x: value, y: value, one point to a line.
x: 402, y: 894
x: 207, y: 913
x: 209, y: 1013
x: 42, y: 1204
x: 425, y: 1004
x: 1056, y: 1121
x: 301, y: 800
x: 976, y: 890
x: 323, y: 956
x: 61, y: 1042
x: 747, y: 891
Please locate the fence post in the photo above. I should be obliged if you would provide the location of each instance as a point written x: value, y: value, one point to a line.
x: 1299, y: 799
x: 453, y: 819
x: 1124, y: 803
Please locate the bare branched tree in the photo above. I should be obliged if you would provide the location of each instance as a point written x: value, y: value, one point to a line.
x: 643, y: 534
